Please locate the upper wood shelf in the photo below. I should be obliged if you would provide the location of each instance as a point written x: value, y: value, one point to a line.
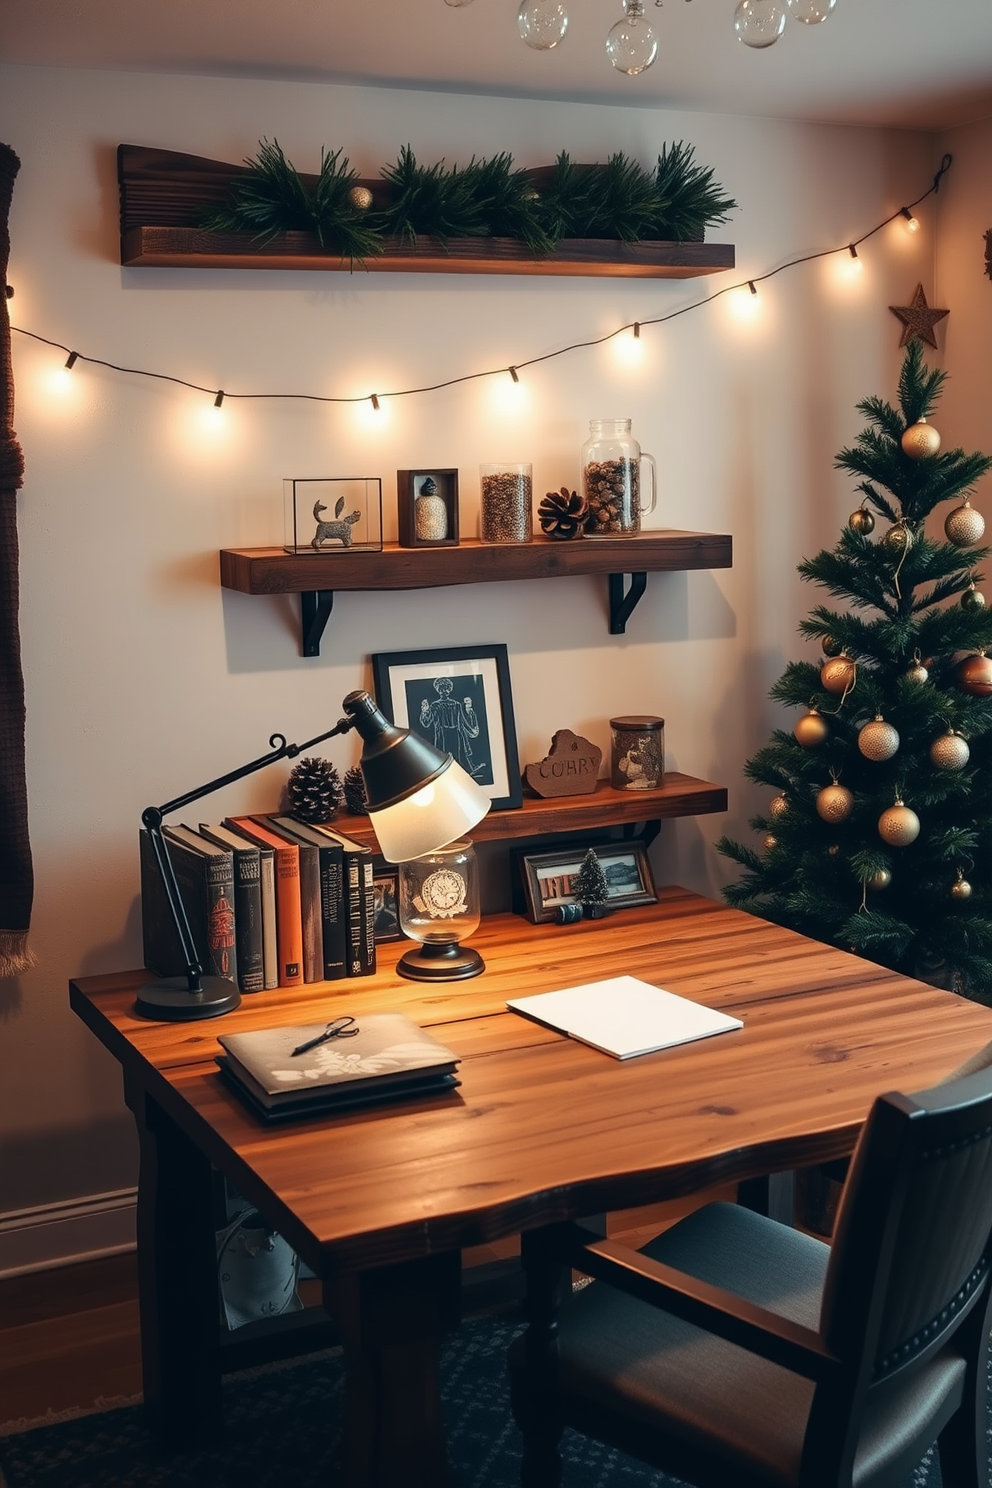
x: 681, y: 795
x: 274, y: 571
x: 166, y: 195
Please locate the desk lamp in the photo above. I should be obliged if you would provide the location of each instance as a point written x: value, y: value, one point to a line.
x: 418, y: 799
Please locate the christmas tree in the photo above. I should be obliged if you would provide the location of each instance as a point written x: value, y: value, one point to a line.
x: 879, y: 835
x: 590, y: 886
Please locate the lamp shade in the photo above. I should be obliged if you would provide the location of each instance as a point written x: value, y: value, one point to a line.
x: 418, y: 798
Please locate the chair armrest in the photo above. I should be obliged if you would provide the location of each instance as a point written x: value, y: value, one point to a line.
x: 724, y: 1313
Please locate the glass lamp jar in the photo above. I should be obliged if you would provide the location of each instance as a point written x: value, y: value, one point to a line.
x: 611, y: 479
x: 440, y: 908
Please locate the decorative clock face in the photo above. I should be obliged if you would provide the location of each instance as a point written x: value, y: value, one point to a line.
x: 443, y: 894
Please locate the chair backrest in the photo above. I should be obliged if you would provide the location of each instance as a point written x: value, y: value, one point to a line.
x: 911, y: 1243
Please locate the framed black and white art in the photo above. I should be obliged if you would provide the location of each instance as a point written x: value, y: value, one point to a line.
x: 549, y: 877
x: 457, y: 698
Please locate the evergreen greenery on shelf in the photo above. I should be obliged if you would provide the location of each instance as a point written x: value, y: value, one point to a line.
x: 486, y: 198
x: 272, y: 197
x: 909, y: 731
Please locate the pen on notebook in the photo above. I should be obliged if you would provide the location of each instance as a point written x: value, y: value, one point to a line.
x: 340, y: 1028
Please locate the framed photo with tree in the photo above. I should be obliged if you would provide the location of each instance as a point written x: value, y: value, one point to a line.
x: 459, y: 700
x: 551, y: 879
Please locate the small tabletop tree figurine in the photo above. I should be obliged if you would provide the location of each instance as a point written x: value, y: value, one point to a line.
x: 590, y: 886
x: 879, y: 835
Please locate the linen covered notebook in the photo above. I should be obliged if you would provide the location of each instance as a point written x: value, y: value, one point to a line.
x: 387, y: 1059
x: 624, y: 1016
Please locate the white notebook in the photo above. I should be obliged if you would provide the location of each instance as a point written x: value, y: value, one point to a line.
x: 624, y: 1016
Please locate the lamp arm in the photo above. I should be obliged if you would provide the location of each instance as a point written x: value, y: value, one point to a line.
x: 152, y: 818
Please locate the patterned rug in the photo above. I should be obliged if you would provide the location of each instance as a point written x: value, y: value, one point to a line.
x: 283, y: 1426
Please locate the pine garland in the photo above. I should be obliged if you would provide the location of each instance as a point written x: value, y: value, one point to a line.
x: 486, y: 198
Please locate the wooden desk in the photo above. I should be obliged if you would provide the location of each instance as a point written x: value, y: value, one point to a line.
x: 380, y: 1203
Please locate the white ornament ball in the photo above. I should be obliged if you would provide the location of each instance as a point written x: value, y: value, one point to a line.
x: 899, y: 826
x: 964, y: 526
x: 878, y: 740
x: 834, y: 803
x: 950, y: 751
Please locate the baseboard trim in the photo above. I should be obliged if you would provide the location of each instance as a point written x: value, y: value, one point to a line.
x: 68, y: 1232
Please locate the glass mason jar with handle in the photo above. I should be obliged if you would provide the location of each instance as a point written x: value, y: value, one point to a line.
x: 611, y: 479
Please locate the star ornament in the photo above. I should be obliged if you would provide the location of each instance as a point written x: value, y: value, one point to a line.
x: 918, y: 320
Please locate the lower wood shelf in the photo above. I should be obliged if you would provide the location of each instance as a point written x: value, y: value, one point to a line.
x: 681, y: 795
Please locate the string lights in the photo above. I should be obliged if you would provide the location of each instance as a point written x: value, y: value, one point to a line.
x: 749, y: 285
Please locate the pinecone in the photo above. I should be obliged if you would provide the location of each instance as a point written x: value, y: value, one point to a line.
x: 314, y: 790
x: 562, y: 514
x: 354, y: 792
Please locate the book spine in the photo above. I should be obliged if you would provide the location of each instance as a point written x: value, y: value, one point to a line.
x: 367, y: 943
x: 310, y: 911
x: 221, y: 936
x: 248, y: 920
x: 332, y: 911
x: 289, y: 917
x: 270, y: 941
x: 161, y: 949
x: 355, y: 912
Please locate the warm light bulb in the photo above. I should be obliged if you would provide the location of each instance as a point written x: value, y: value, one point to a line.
x: 542, y: 23
x: 912, y: 223
x: 631, y: 45
x: 810, y: 12
x: 759, y: 23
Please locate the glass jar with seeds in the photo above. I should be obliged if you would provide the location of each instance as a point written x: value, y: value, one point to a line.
x: 611, y: 479
x: 507, y: 494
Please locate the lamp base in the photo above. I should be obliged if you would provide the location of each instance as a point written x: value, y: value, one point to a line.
x: 170, y: 999
x: 440, y: 961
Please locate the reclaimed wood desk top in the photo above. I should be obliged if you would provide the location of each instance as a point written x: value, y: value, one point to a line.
x: 544, y: 1128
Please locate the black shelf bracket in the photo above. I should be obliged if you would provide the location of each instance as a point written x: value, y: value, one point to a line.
x: 315, y: 611
x: 624, y: 602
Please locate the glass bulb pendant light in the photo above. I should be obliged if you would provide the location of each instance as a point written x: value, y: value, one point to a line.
x: 631, y: 45
x: 810, y: 12
x: 542, y: 23
x: 759, y: 23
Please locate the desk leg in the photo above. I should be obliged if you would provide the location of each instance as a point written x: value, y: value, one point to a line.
x: 534, y: 1397
x: 177, y: 1280
x: 392, y: 1320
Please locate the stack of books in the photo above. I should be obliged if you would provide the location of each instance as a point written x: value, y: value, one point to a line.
x: 271, y: 902
x: 386, y: 1057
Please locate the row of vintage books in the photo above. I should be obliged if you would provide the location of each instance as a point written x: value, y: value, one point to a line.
x: 271, y: 902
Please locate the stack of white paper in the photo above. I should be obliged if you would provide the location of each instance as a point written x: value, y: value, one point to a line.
x: 624, y: 1016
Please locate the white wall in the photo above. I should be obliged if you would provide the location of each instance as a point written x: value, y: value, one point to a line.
x: 144, y: 678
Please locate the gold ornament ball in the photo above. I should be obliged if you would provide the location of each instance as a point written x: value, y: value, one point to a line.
x: 972, y: 600
x: 898, y: 539
x: 834, y: 803
x: 829, y: 646
x: 961, y: 889
x: 899, y: 826
x: 920, y: 441
x: 964, y: 526
x: 811, y: 729
x: 833, y: 850
x: 917, y: 674
x: 878, y: 740
x: 837, y: 674
x: 974, y: 675
x: 771, y: 842
x: 879, y: 880
x: 861, y: 521
x: 360, y: 198
x: 950, y: 751
x: 777, y: 807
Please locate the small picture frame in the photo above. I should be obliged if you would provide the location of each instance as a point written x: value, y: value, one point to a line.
x: 333, y: 514
x: 427, y: 508
x: 386, y: 890
x: 458, y: 699
x: 547, y: 877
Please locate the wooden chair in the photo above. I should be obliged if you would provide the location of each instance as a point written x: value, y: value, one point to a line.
x: 735, y: 1352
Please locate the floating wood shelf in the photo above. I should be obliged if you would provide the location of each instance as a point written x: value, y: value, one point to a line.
x: 626, y: 561
x: 681, y: 795
x: 165, y: 196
